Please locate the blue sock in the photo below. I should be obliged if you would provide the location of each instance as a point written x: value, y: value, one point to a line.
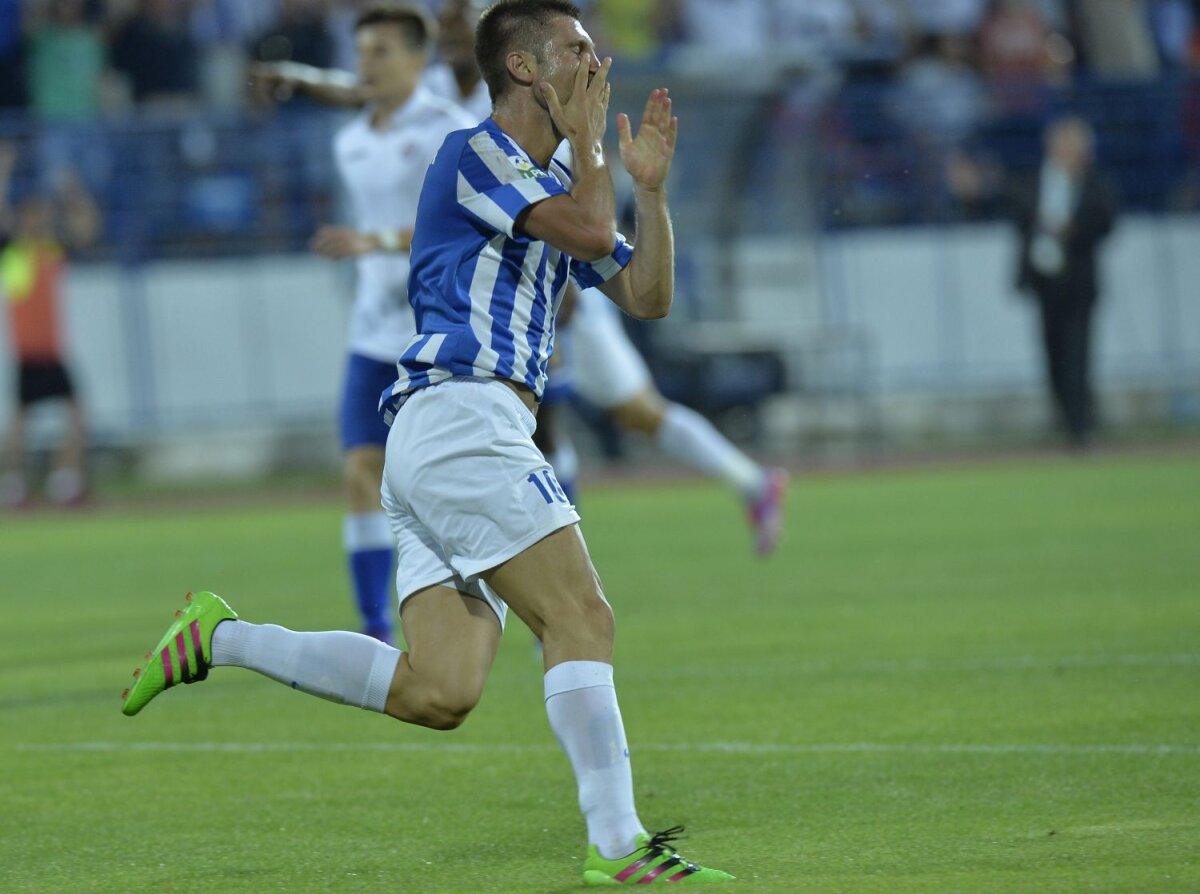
x: 370, y: 549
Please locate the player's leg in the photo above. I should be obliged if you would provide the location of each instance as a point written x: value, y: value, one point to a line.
x: 452, y: 640
x: 436, y: 684
x: 553, y: 587
x: 367, y: 540
x: 688, y: 437
x: 452, y: 633
x: 14, y: 488
x: 366, y: 534
x: 67, y: 484
x: 1053, y: 343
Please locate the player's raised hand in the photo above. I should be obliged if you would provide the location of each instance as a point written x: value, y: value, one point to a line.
x: 647, y: 156
x: 583, y: 116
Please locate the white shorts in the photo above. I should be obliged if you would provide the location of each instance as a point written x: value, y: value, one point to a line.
x: 464, y: 487
x: 607, y: 369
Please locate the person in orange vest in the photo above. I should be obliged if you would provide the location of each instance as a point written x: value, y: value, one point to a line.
x: 34, y: 238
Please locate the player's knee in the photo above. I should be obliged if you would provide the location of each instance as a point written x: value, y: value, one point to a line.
x: 642, y: 413
x: 585, y: 619
x: 447, y: 707
x: 363, y: 471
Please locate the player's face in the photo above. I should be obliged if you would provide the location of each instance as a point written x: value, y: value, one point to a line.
x: 387, y: 66
x: 568, y: 48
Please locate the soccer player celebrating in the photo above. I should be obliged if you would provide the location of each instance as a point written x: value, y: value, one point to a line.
x: 382, y: 156
x: 481, y: 523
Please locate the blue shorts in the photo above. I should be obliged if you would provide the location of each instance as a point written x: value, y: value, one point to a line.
x: 361, y: 423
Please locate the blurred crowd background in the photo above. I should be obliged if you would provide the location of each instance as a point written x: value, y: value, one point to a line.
x: 915, y: 107
x: 840, y: 192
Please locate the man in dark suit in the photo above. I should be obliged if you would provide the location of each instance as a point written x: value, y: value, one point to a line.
x: 1063, y: 214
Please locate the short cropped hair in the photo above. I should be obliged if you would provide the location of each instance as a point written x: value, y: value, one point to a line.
x: 417, y: 25
x: 509, y: 25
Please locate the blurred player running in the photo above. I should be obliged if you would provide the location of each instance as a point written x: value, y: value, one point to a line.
x: 480, y: 521
x: 382, y: 156
x: 607, y: 371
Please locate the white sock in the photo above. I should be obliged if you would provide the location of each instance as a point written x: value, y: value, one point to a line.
x: 367, y: 530
x: 344, y: 667
x: 690, y: 438
x: 582, y: 706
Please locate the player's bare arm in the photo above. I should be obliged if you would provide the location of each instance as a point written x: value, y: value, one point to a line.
x: 646, y: 287
x: 279, y: 81
x: 583, y: 223
x: 346, y: 242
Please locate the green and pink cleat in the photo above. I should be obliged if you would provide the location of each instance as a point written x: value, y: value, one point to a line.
x: 766, y: 513
x: 654, y: 862
x: 183, y: 655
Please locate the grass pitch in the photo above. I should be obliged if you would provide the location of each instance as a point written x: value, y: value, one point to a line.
x: 971, y: 680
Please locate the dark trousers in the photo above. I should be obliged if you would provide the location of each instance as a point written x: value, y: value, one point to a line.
x: 1066, y: 341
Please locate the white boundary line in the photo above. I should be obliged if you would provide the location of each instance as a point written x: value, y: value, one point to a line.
x: 747, y: 748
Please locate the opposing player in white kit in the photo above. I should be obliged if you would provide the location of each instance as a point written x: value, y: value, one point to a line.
x: 480, y: 522
x: 381, y: 156
x: 607, y: 371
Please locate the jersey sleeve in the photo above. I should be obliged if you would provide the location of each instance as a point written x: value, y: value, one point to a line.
x: 494, y: 187
x: 589, y: 275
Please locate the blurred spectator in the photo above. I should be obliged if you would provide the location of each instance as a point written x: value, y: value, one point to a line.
x: 301, y: 34
x: 12, y: 57
x: 1115, y: 38
x: 938, y: 97
x: 65, y: 65
x: 631, y: 30
x: 455, y: 75
x: 938, y: 101
x: 1019, y: 54
x: 33, y: 239
x: 155, y: 50
x: 740, y: 28
x: 1012, y: 42
x: 65, y: 59
x: 1062, y: 216
x: 1172, y: 24
x: 221, y: 29
x: 820, y: 30
x: 959, y: 18
x: 884, y: 28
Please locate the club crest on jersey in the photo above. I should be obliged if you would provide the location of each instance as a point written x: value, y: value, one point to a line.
x: 527, y: 169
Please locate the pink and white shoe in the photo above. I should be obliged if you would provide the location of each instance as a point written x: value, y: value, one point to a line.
x: 766, y: 513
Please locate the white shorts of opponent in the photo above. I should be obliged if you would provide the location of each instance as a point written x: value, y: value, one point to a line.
x: 464, y: 487
x: 606, y: 369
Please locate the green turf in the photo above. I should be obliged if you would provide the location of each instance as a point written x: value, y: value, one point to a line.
x: 973, y: 680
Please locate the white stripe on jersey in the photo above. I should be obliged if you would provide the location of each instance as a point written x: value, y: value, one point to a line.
x: 487, y: 269
x: 428, y: 352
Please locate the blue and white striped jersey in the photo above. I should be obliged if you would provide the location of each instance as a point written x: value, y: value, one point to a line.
x: 484, y: 295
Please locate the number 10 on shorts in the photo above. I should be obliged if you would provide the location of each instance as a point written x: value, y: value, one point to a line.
x: 548, y: 486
